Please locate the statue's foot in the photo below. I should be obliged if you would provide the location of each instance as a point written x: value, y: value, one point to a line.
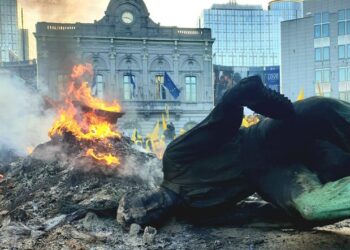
x: 151, y: 208
x: 252, y: 93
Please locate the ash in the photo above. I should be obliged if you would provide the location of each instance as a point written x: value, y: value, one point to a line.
x: 58, y: 199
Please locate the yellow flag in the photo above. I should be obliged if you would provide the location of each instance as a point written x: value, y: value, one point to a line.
x: 245, y: 123
x: 319, y: 88
x: 301, y: 95
x: 164, y: 122
x: 134, y: 135
x: 155, y: 133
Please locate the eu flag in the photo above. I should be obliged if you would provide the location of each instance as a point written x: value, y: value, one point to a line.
x: 170, y: 85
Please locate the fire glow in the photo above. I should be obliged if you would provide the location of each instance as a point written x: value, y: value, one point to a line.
x: 80, y: 117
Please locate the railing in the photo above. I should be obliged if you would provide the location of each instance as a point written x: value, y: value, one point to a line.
x: 18, y: 63
x: 153, y: 106
x: 60, y: 27
x: 104, y: 30
x: 189, y: 32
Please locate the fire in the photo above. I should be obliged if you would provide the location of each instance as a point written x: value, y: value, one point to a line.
x: 80, y: 116
x: 29, y: 150
x: 109, y: 159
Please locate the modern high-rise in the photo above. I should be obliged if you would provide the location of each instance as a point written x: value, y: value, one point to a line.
x: 9, y: 34
x: 14, y: 41
x: 316, y: 51
x: 247, y: 35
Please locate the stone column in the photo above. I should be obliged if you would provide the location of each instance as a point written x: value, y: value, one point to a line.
x: 112, y: 73
x: 44, y: 82
x: 176, y: 64
x: 145, y: 82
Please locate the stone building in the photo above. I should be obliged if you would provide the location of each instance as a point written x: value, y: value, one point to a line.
x: 130, y: 54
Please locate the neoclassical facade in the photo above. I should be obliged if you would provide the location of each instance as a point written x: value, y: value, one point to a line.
x: 130, y: 54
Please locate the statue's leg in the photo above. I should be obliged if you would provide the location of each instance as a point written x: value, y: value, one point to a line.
x: 218, y: 128
x: 301, y: 194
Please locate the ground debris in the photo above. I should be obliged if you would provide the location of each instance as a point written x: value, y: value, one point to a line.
x: 56, y: 199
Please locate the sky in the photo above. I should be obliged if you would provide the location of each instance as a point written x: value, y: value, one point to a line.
x: 181, y: 13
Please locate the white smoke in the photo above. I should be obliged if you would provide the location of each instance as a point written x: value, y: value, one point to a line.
x: 23, y: 122
x: 149, y: 171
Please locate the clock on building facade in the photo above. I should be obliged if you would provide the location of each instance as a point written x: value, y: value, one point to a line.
x: 130, y: 54
x: 127, y: 17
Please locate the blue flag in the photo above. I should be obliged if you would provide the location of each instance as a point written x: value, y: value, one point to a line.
x: 132, y: 82
x: 170, y: 85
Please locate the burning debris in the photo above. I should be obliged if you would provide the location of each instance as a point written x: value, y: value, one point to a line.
x: 88, y: 119
x: 65, y: 194
x: 85, y: 168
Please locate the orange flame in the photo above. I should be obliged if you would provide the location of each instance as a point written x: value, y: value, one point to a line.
x: 86, y: 125
x: 29, y: 150
x: 109, y: 159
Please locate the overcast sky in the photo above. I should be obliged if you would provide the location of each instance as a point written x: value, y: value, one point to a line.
x: 181, y: 13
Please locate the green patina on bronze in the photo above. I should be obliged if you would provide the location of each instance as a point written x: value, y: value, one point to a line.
x: 328, y: 202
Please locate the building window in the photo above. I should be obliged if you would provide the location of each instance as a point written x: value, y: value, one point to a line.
x: 321, y: 25
x: 191, y: 88
x: 341, y: 51
x: 343, y: 74
x: 128, y: 87
x: 344, y: 83
x: 322, y: 76
x: 100, y: 86
x: 318, y: 54
x: 343, y: 22
x: 326, y: 54
x: 348, y: 54
x: 322, y: 82
x: 160, y: 89
x: 326, y: 75
x: 322, y: 54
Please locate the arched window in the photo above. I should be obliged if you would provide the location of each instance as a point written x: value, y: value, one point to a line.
x: 191, y: 88
x: 160, y: 89
x: 98, y: 88
x: 129, y: 86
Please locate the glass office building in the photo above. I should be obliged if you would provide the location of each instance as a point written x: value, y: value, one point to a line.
x: 9, y: 34
x: 248, y: 36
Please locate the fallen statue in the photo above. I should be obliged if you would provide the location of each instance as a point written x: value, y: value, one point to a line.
x: 297, y: 159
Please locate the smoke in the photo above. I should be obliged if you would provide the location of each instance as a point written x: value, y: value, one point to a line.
x: 64, y: 10
x: 149, y: 171
x: 24, y: 124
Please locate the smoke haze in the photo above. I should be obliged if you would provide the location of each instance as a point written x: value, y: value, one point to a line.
x: 23, y: 123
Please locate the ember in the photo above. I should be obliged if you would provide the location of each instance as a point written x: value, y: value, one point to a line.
x: 88, y: 118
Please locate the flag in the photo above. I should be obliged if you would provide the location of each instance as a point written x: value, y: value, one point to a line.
x: 134, y: 135
x: 170, y: 85
x: 320, y: 90
x: 245, y: 123
x: 301, y: 95
x: 132, y: 82
x: 164, y: 122
x: 155, y: 133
